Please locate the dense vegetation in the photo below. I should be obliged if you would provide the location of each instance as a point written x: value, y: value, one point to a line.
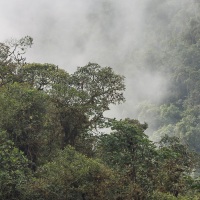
x: 51, y: 147
x: 56, y: 143
x: 174, y: 37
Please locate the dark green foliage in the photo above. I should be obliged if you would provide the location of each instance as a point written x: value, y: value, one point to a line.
x: 176, y: 162
x: 84, y: 97
x: 14, y: 171
x: 129, y: 151
x: 23, y: 111
x: 73, y: 176
x: 44, y: 110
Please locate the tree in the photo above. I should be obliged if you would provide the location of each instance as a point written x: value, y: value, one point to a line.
x: 72, y: 176
x: 176, y: 163
x: 13, y: 50
x: 12, y: 57
x: 23, y: 116
x: 42, y: 76
x: 89, y: 92
x: 129, y: 151
x: 14, y: 171
x: 80, y: 98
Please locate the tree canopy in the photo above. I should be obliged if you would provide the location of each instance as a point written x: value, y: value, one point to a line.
x: 50, y: 143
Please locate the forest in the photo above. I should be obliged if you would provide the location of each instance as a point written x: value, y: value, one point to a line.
x: 57, y: 144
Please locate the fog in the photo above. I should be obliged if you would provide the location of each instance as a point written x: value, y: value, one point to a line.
x: 108, y: 32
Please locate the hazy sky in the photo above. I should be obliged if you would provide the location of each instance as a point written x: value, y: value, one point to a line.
x: 71, y: 33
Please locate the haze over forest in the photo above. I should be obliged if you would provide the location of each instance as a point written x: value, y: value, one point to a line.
x: 109, y: 32
x: 107, y: 104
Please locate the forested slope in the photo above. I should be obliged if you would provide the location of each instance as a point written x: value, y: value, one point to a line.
x: 51, y: 141
x: 174, y: 35
x: 53, y: 138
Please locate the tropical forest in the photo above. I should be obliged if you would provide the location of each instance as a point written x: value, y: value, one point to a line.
x: 57, y: 142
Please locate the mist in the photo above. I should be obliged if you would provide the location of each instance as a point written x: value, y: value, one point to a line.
x: 108, y: 32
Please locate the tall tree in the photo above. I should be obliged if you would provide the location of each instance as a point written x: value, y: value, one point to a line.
x: 129, y: 151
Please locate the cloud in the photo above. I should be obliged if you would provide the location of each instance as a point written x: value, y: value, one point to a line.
x: 72, y: 33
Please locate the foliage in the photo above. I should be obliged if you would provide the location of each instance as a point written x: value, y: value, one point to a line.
x: 44, y: 110
x: 176, y: 162
x: 13, y: 50
x: 14, y: 169
x: 23, y: 111
x: 129, y: 151
x: 72, y: 175
x: 174, y: 52
x: 166, y: 196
